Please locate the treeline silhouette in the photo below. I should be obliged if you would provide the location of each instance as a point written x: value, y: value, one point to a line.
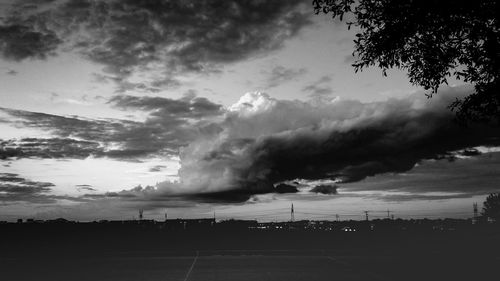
x: 62, y: 237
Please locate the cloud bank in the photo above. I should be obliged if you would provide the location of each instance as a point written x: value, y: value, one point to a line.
x: 14, y: 188
x: 170, y: 125
x: 168, y: 37
x: 260, y: 144
x: 263, y: 141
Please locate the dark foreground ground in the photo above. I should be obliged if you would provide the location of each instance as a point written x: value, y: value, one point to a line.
x: 122, y: 255
x: 207, y: 266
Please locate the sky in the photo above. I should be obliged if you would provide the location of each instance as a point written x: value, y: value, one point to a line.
x: 186, y: 108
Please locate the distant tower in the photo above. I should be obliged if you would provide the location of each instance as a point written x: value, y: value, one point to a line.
x: 292, y: 214
x: 474, y: 220
x: 140, y: 214
x: 388, y: 214
x: 366, y: 215
x: 337, y: 217
x: 166, y: 216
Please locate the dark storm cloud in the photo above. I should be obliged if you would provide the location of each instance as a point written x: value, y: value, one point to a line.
x: 188, y: 106
x: 170, y: 37
x: 48, y: 148
x: 96, y: 134
x: 475, y: 175
x: 7, y: 152
x: 150, y: 197
x: 18, y: 42
x: 14, y: 188
x: 325, y: 189
x: 8, y: 179
x: 25, y: 187
x: 281, y: 74
x: 66, y: 126
x: 264, y: 141
x: 285, y: 188
x: 171, y: 124
x: 76, y: 137
x: 380, y: 146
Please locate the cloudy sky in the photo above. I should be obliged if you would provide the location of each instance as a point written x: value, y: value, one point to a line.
x: 237, y: 107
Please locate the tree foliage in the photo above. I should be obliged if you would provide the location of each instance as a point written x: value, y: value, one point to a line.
x: 432, y: 41
x: 491, y: 207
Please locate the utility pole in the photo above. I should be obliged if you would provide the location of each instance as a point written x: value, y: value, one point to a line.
x: 337, y: 217
x: 292, y: 214
x: 140, y: 214
x: 474, y: 220
x: 366, y: 215
x: 389, y: 214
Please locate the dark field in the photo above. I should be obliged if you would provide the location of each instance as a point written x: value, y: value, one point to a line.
x: 136, y: 255
x: 243, y: 265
